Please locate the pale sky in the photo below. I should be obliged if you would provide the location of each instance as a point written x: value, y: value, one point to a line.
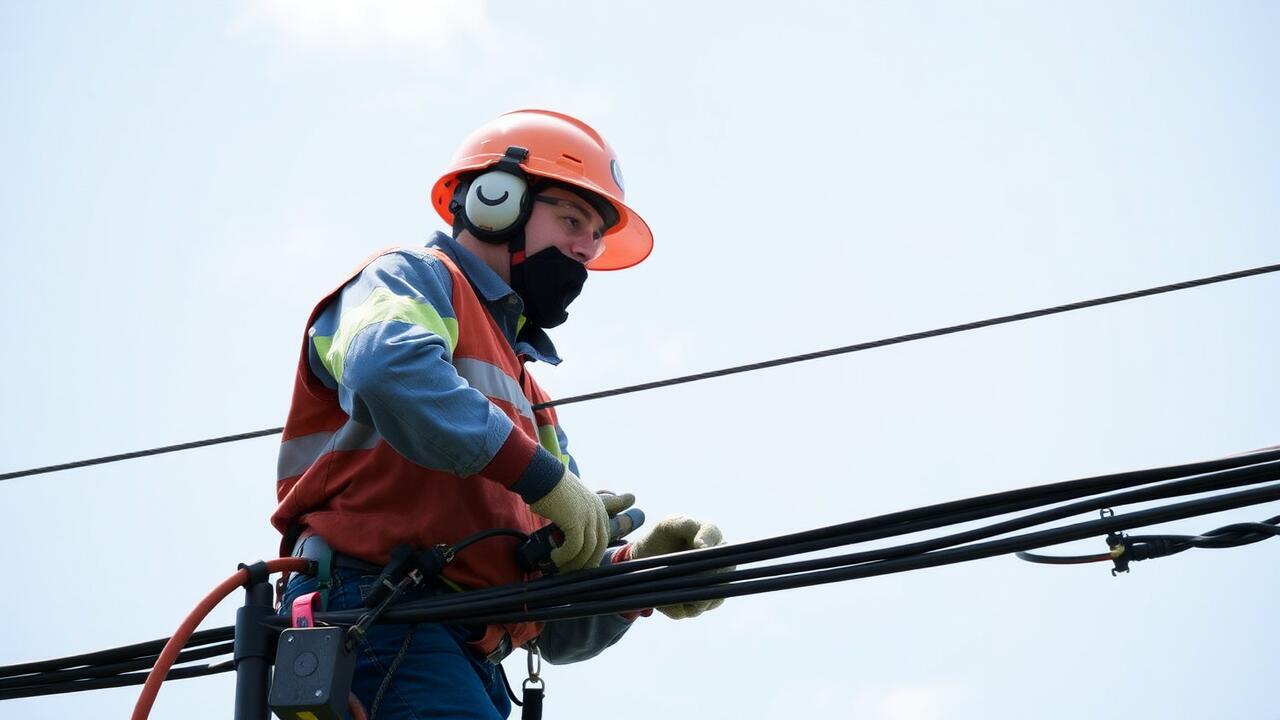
x: 181, y: 182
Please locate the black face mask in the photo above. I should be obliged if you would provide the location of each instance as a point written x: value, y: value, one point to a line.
x: 548, y: 281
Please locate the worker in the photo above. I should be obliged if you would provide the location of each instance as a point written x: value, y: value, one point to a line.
x: 415, y: 420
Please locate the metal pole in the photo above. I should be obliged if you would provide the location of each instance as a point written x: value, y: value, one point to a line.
x: 253, y: 653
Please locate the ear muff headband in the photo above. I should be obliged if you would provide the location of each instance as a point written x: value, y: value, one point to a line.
x: 496, y: 202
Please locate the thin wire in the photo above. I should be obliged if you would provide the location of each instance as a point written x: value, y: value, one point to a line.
x: 714, y: 373
x: 910, y: 337
x: 142, y: 453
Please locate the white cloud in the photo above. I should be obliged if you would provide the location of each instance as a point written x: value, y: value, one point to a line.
x: 912, y: 703
x: 373, y: 26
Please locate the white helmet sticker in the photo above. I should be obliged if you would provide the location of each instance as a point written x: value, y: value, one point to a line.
x: 616, y: 169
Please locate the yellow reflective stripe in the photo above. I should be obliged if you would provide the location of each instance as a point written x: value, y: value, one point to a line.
x: 323, y: 343
x: 547, y: 436
x: 382, y: 305
x: 494, y: 383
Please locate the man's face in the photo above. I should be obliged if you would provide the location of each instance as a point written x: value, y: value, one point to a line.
x: 562, y: 220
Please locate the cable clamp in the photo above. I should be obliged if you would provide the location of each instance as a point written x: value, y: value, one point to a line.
x: 445, y: 553
x: 258, y: 573
x: 1120, y: 554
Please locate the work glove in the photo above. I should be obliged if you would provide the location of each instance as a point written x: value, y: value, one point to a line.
x: 615, y: 503
x: 676, y: 534
x: 581, y: 516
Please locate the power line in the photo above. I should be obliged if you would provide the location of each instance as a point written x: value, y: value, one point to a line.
x: 912, y: 336
x: 683, y: 577
x: 898, y: 340
x: 143, y: 453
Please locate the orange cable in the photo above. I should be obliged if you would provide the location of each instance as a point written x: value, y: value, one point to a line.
x: 355, y: 708
x: 142, y: 709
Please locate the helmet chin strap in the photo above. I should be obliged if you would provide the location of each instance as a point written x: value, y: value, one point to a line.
x: 515, y: 250
x: 515, y: 269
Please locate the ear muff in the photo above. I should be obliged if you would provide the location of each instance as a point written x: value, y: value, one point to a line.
x: 496, y: 202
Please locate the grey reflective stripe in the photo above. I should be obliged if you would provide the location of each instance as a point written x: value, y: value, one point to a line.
x: 490, y: 380
x: 300, y: 453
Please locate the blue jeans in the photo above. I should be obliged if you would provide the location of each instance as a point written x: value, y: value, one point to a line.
x: 440, y: 675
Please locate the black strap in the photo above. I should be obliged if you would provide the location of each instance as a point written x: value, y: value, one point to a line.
x: 507, y: 684
x: 532, y: 703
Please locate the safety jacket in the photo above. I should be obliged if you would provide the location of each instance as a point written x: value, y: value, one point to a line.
x: 412, y: 421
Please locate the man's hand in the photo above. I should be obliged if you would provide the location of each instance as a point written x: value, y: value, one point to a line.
x: 676, y: 534
x: 580, y: 515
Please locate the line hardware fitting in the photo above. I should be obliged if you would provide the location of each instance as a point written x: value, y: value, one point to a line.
x: 791, y: 359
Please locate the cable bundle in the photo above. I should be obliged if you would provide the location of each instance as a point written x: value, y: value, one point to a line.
x: 117, y: 667
x: 693, y: 576
x: 689, y: 577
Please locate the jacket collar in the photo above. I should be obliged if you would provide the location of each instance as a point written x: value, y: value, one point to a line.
x: 503, y: 303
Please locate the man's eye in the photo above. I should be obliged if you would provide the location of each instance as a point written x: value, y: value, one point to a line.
x: 572, y: 222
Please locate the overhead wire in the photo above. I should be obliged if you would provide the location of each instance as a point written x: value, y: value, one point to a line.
x: 727, y: 587
x: 843, y: 350
x: 457, y: 608
x: 1127, y: 548
x: 115, y: 668
x: 683, y: 577
x: 115, y: 681
x: 910, y: 337
x: 149, y: 648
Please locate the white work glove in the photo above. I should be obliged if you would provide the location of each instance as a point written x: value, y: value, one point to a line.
x: 580, y: 515
x: 676, y: 534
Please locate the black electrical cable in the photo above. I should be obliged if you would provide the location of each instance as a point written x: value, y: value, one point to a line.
x: 911, y: 336
x: 108, y: 669
x: 485, y: 535
x: 1178, y: 488
x: 1145, y: 547
x: 679, y: 577
x: 678, y: 570
x: 727, y: 589
x: 895, y: 524
x: 142, y: 453
x: 948, y: 513
x: 1234, y: 535
x: 1065, y: 559
x: 1004, y: 319
x: 115, y: 681
x: 148, y: 649
x: 650, y: 584
x: 718, y: 556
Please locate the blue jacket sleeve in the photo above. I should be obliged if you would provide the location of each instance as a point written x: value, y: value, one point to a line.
x: 570, y: 641
x: 577, y: 639
x: 386, y: 345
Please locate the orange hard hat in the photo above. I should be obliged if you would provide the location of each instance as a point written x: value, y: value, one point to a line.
x: 563, y: 149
